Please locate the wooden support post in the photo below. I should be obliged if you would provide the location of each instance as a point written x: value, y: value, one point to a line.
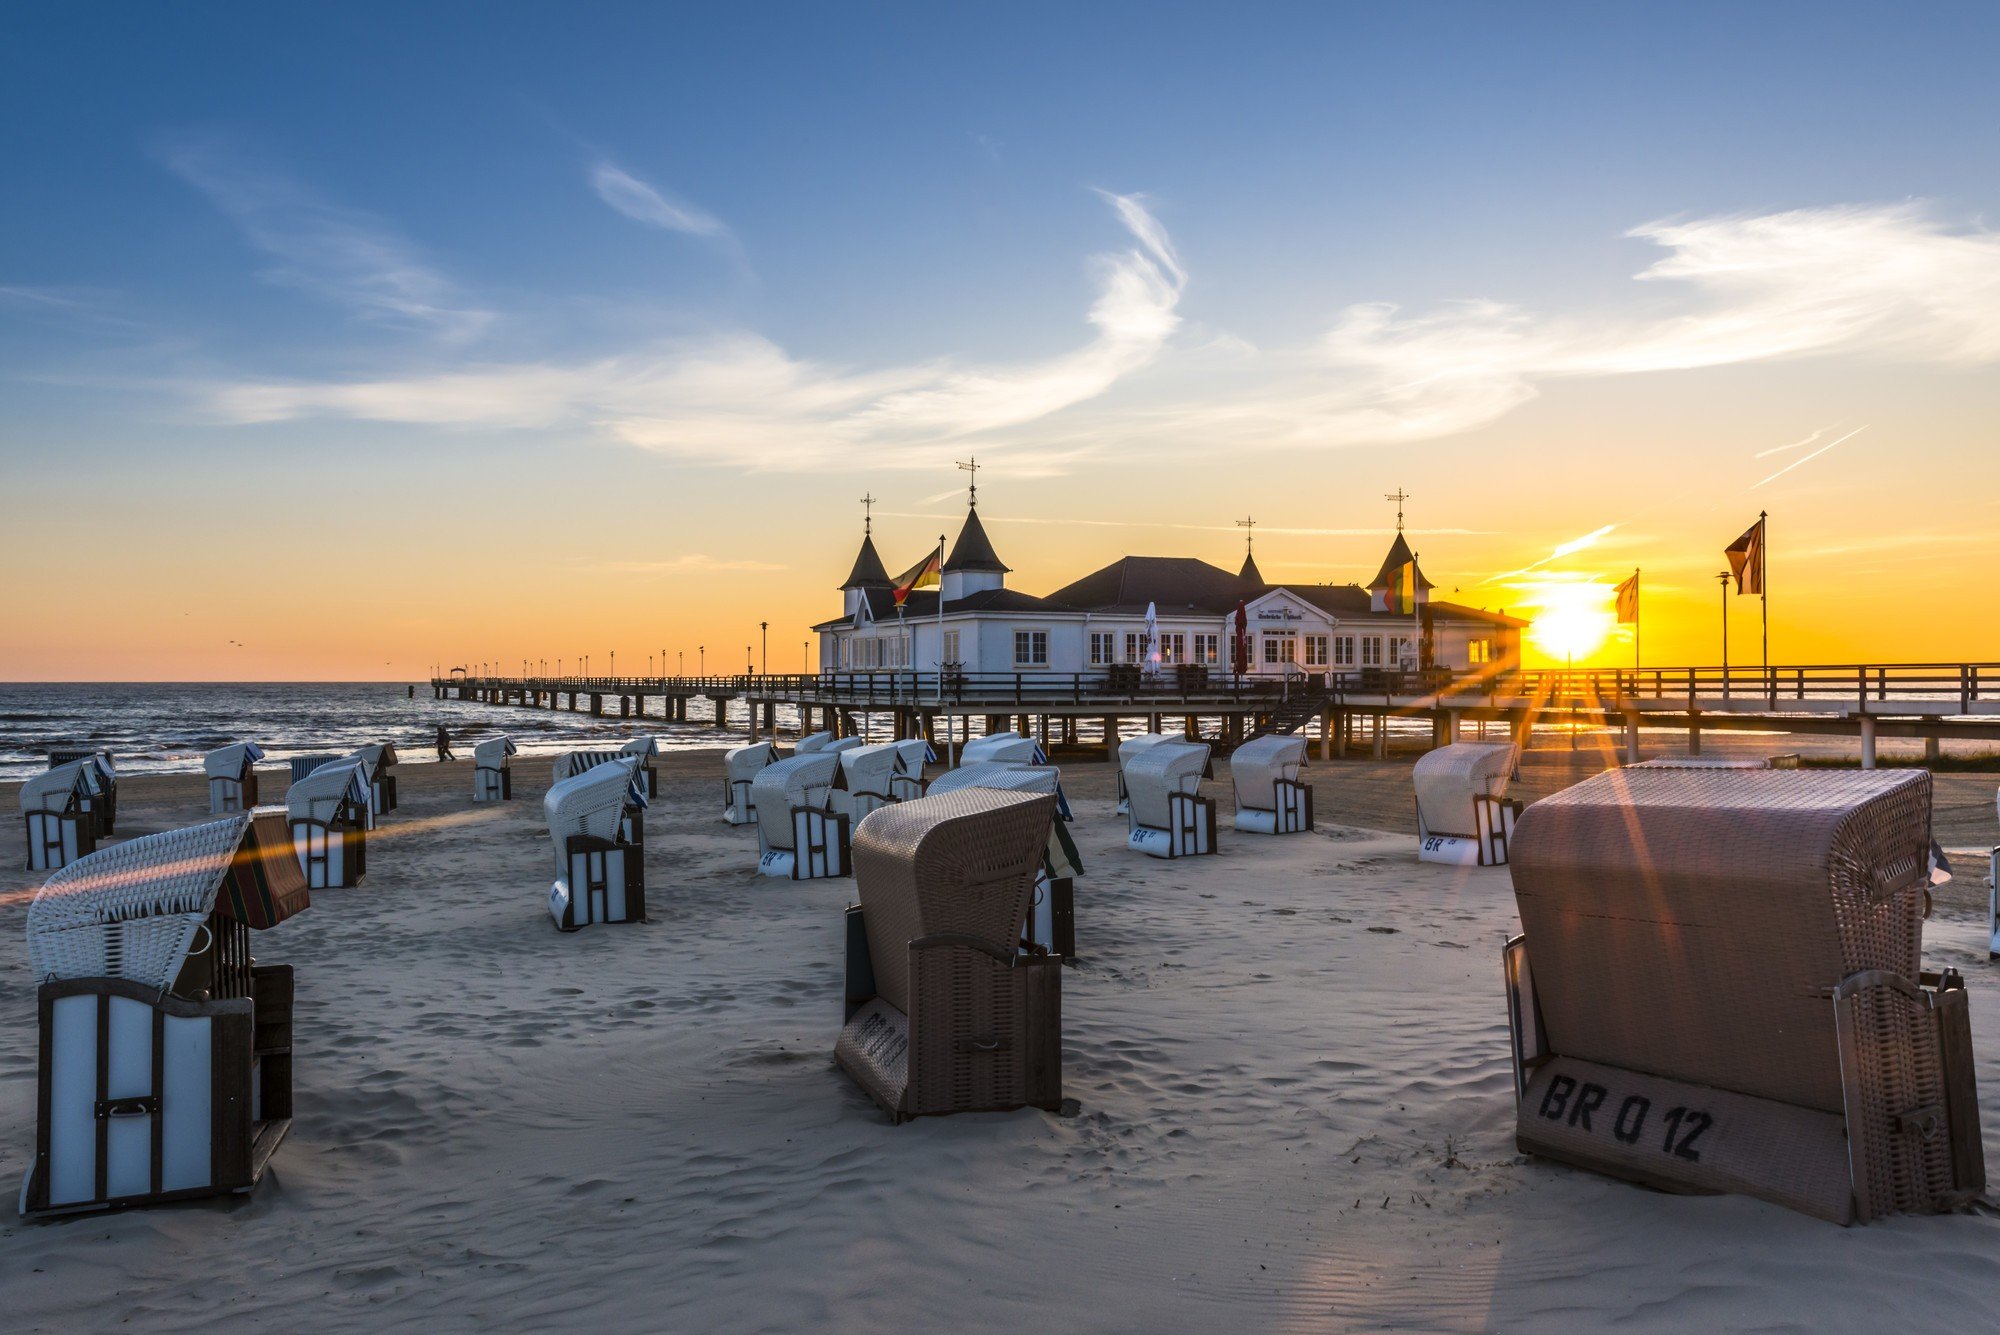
x: 1111, y: 739
x: 1694, y: 734
x: 1343, y: 724
x: 624, y: 706
x: 1326, y: 733
x: 1380, y: 748
x: 1868, y: 741
x: 1631, y: 739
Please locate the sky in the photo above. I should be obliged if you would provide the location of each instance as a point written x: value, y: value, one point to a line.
x: 337, y: 342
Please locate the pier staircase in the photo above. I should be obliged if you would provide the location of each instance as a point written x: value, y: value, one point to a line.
x: 1299, y: 708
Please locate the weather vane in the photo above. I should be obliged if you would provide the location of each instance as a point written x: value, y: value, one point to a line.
x: 867, y: 514
x: 1249, y: 526
x: 1398, y: 496
x: 972, y: 466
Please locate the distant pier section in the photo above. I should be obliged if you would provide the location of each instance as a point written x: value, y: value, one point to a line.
x: 1348, y: 711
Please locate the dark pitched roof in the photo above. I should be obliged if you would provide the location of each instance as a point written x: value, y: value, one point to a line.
x: 923, y: 603
x: 1251, y: 576
x: 1399, y: 555
x: 868, y: 572
x: 974, y: 550
x: 1172, y: 582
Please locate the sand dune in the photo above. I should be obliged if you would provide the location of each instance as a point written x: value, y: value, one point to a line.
x: 1293, y: 1111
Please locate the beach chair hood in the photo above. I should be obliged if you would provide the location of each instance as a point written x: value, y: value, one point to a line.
x: 743, y: 762
x: 1165, y: 767
x: 52, y: 789
x: 795, y: 781
x: 229, y: 762
x: 811, y: 742
x: 1448, y: 778
x: 132, y: 910
x: 1256, y: 766
x: 1007, y: 748
x: 491, y: 752
x: 320, y: 794
x: 646, y: 748
x: 593, y: 802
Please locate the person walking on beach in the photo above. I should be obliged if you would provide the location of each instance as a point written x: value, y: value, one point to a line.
x: 444, y: 744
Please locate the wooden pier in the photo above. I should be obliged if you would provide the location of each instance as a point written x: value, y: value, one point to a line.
x: 1350, y: 710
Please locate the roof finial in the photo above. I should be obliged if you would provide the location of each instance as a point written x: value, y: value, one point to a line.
x: 1398, y: 496
x: 1249, y: 526
x: 972, y: 466
x: 867, y: 515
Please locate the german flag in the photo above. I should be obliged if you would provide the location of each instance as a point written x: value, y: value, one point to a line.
x: 925, y: 574
x: 1628, y: 600
x: 1401, y: 595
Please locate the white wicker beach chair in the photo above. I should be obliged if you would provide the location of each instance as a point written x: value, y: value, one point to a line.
x: 600, y: 867
x: 1002, y: 748
x: 492, y: 776
x: 1464, y: 817
x: 739, y: 767
x: 1127, y: 749
x: 329, y: 815
x: 1169, y: 818
x: 811, y: 742
x: 381, y: 760
x: 232, y: 777
x: 799, y: 834
x: 1051, y: 925
x: 56, y: 806
x: 1270, y: 799
x: 165, y: 1052
x: 647, y: 749
x: 876, y: 775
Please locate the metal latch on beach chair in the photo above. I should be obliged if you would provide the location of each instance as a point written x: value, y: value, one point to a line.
x: 994, y: 1044
x: 1926, y: 1121
x: 143, y: 1107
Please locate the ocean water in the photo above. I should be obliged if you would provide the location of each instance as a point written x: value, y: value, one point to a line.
x: 152, y: 727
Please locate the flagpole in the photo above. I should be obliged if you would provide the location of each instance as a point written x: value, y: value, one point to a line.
x: 951, y: 733
x: 1638, y: 613
x: 1763, y: 578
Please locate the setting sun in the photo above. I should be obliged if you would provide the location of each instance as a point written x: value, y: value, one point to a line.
x: 1573, y: 621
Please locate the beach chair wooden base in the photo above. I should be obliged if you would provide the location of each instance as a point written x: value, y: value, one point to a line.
x: 144, y: 1098
x: 820, y: 848
x: 1484, y: 847
x: 1291, y: 811
x: 605, y: 883
x: 231, y: 795
x: 333, y: 855
x: 492, y: 785
x: 1051, y: 925
x: 1906, y: 1138
x: 58, y: 838
x: 1190, y: 834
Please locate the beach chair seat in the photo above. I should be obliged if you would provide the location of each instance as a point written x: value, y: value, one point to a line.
x: 492, y: 775
x: 329, y: 814
x: 1127, y: 749
x: 1168, y: 816
x: 600, y: 867
x: 944, y: 1012
x: 1270, y: 797
x: 739, y: 769
x: 1718, y: 988
x: 1002, y: 748
x: 1051, y: 925
x: 165, y: 1051
x: 800, y: 835
x: 232, y: 777
x: 1464, y: 817
x: 56, y: 808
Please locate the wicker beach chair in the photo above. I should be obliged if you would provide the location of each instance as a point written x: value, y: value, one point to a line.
x: 1002, y: 748
x: 304, y: 765
x: 739, y: 769
x: 1129, y: 748
x: 945, y: 1012
x: 647, y: 749
x: 875, y: 775
x: 166, y: 1053
x: 1270, y: 799
x: 799, y: 833
x: 600, y: 867
x: 1464, y: 817
x: 103, y: 801
x: 380, y: 758
x: 56, y: 806
x: 232, y: 777
x: 1726, y: 991
x: 1051, y: 925
x: 1169, y: 818
x: 328, y: 811
x: 492, y: 776
x: 570, y: 764
x: 811, y: 742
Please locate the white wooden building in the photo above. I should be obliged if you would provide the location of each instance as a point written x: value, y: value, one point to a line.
x: 1100, y: 620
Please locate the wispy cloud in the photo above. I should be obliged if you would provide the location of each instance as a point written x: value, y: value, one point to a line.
x: 1561, y: 549
x: 1801, y: 462
x: 740, y: 399
x: 342, y: 255
x: 647, y: 204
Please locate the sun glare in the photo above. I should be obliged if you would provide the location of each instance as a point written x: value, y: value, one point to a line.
x: 1574, y: 621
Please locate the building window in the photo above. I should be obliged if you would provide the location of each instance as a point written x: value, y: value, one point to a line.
x: 1280, y: 649
x: 1103, y: 648
x: 1135, y: 646
x: 1173, y: 647
x: 1316, y: 651
x: 1207, y: 649
x: 1371, y: 651
x: 951, y: 647
x: 1402, y: 652
x: 1031, y: 648
x: 1343, y: 651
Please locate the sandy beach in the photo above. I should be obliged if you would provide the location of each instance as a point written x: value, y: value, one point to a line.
x: 1292, y: 1109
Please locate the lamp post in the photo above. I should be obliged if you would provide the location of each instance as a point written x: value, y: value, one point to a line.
x: 701, y: 661
x: 614, y: 663
x: 680, y: 662
x: 765, y: 627
x: 1722, y: 578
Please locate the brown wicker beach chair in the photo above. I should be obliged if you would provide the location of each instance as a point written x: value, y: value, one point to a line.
x: 945, y: 1012
x: 1726, y: 992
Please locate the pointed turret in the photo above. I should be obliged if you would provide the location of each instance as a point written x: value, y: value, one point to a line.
x: 1250, y: 575
x: 1398, y: 557
x: 974, y: 550
x: 868, y: 572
